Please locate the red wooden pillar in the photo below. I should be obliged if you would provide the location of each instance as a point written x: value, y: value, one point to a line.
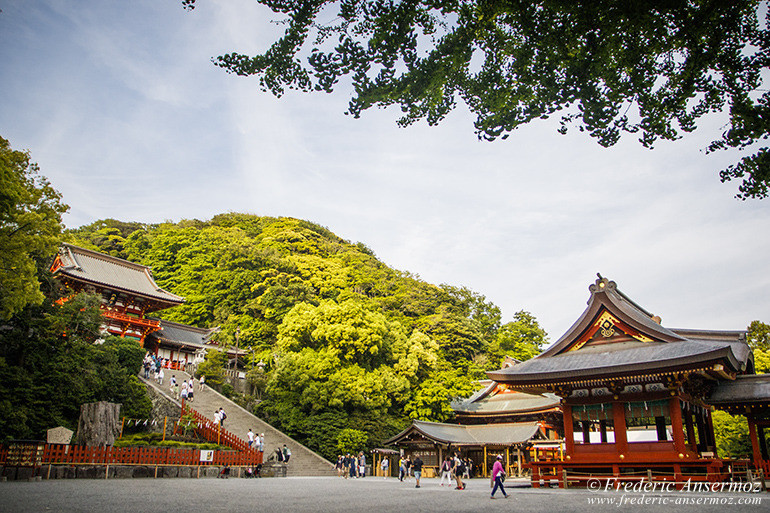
x: 710, y: 434
x: 675, y: 410
x: 619, y: 420
x: 691, y: 432
x: 755, y: 443
x: 569, y: 435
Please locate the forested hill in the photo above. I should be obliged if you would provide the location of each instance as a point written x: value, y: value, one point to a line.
x: 348, y: 341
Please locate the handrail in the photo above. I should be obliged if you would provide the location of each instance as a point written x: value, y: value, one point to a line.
x: 215, y: 432
x: 64, y: 454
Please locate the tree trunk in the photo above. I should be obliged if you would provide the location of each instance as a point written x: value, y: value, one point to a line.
x: 99, y: 424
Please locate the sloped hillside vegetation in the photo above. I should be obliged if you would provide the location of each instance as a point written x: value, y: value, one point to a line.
x: 347, y: 342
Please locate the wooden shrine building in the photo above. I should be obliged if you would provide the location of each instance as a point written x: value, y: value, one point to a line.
x: 180, y: 344
x: 618, y: 371
x: 128, y: 291
x: 493, y: 421
x: 496, y: 403
x: 749, y: 396
x: 432, y: 441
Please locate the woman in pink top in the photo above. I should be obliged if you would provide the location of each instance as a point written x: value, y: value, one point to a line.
x: 497, y: 477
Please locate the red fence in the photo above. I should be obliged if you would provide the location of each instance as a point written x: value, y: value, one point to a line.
x: 34, y: 454
x: 78, y: 455
x: 215, y: 432
x: 61, y: 454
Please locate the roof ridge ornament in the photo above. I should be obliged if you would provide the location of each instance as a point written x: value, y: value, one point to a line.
x: 602, y: 284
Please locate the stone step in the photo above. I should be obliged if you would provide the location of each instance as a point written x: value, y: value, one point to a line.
x: 303, y: 462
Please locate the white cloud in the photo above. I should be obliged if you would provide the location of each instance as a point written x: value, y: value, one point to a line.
x: 127, y: 116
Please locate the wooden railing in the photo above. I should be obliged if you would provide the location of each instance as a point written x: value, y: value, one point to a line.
x: 38, y: 453
x: 136, y: 321
x: 62, y: 454
x: 79, y: 455
x: 215, y: 432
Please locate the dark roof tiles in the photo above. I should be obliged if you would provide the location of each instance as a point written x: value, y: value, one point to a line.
x: 484, y: 434
x: 97, y: 268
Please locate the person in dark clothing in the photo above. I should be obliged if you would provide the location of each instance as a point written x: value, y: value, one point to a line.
x: 417, y: 466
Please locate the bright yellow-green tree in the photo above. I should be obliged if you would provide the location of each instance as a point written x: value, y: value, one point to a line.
x: 30, y: 228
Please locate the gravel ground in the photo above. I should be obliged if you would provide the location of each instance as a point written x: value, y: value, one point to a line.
x: 323, y: 494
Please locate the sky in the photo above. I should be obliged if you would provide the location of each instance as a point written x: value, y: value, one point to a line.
x: 120, y: 105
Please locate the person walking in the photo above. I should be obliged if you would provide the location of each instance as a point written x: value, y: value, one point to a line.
x: 201, y: 383
x: 190, y: 393
x: 401, y: 468
x: 340, y: 465
x: 361, y: 464
x: 417, y: 468
x: 498, y: 475
x: 346, y: 462
x: 286, y: 454
x: 457, y: 470
x: 446, y: 471
x: 384, y: 464
x: 250, y: 436
x: 160, y: 375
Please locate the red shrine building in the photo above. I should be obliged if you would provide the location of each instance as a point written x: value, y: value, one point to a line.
x: 129, y: 296
x: 636, y: 396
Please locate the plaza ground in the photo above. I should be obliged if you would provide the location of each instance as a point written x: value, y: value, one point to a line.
x: 322, y: 494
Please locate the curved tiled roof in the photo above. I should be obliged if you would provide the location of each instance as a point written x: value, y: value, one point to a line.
x: 634, y: 358
x: 96, y: 268
x: 486, y: 402
x: 662, y: 350
x: 183, y: 335
x: 484, y: 434
x: 745, y: 389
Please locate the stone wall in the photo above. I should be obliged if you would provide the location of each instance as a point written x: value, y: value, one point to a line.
x: 162, y: 407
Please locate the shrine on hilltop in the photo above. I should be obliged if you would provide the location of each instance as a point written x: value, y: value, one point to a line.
x: 129, y: 295
x: 128, y: 291
x: 636, y: 396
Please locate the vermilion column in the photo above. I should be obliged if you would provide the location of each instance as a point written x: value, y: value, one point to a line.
x: 755, y: 443
x: 619, y: 419
x: 569, y: 435
x: 676, y: 424
x: 691, y: 432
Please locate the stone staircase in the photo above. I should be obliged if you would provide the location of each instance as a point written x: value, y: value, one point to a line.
x: 303, y: 462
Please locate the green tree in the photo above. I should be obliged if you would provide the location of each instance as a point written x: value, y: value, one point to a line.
x: 51, y: 363
x: 522, y: 339
x: 347, y: 342
x: 732, y: 435
x: 213, y: 367
x: 30, y: 227
x: 351, y: 440
x: 761, y: 361
x: 432, y: 400
x: 107, y: 235
x: 758, y: 335
x: 758, y: 338
x: 611, y: 66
